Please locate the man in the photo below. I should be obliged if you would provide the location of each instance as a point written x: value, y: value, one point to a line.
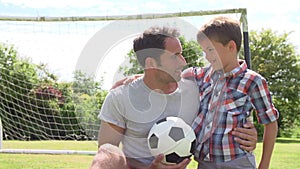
x: 129, y: 111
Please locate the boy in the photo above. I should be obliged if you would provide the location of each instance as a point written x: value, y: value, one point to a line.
x: 228, y: 92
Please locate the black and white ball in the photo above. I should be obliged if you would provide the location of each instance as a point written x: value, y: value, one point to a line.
x: 172, y: 137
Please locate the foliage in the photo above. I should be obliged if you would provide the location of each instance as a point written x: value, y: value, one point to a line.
x: 190, y: 50
x: 192, y: 53
x: 88, y: 98
x: 275, y: 59
x: 34, y: 105
x: 17, y: 79
x: 134, y: 68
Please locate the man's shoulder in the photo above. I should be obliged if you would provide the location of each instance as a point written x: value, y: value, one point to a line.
x: 125, y: 88
x: 187, y: 84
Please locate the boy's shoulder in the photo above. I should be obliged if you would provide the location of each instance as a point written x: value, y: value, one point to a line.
x: 252, y: 79
x: 253, y: 75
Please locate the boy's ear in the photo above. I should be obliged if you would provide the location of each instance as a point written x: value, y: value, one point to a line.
x: 232, y: 45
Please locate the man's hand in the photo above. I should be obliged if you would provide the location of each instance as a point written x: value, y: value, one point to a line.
x: 157, y: 163
x: 246, y: 136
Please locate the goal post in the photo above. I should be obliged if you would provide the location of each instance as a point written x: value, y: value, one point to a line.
x: 1, y: 134
x: 33, y: 112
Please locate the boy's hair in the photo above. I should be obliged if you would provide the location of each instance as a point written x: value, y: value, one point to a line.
x: 152, y: 43
x: 221, y: 29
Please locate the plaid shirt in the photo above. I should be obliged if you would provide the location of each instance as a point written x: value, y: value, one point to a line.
x: 226, y: 100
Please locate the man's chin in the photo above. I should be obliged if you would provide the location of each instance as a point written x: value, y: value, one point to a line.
x: 176, y: 79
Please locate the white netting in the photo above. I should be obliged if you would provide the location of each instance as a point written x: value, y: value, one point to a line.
x: 35, y: 108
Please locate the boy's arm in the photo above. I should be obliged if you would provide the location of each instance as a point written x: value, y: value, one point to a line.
x: 270, y: 133
x: 267, y: 114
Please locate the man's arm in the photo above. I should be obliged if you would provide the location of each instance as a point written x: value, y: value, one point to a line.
x: 110, y: 133
x: 246, y: 136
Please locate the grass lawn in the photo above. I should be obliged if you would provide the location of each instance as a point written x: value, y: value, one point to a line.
x: 286, y: 155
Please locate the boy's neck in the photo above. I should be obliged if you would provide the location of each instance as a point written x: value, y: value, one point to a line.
x: 232, y: 65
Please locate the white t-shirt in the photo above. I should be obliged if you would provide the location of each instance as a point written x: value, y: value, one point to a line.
x: 136, y: 108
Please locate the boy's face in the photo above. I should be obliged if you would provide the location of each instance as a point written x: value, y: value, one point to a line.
x: 217, y: 54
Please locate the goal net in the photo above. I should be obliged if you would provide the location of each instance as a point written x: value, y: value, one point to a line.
x: 56, y: 71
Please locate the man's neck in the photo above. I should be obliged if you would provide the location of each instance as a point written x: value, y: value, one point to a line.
x: 159, y: 86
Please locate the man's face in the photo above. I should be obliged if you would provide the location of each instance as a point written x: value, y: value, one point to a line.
x: 171, y: 61
x: 215, y: 53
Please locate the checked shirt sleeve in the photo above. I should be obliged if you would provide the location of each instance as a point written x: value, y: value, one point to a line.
x: 262, y: 101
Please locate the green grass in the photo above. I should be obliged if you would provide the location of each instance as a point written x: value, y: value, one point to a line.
x: 285, y: 156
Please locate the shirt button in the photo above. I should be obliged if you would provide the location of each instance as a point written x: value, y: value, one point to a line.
x: 217, y: 94
x: 209, y: 125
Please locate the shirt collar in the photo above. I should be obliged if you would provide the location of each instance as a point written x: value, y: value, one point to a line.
x: 238, y: 70
x: 233, y: 73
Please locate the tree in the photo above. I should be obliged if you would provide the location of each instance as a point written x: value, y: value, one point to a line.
x: 275, y: 59
x: 88, y: 98
x: 17, y: 79
x: 190, y: 50
x: 32, y: 102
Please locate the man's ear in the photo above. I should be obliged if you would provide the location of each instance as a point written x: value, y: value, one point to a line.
x: 150, y: 63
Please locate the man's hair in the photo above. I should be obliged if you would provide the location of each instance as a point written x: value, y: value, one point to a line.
x: 221, y: 29
x: 152, y: 43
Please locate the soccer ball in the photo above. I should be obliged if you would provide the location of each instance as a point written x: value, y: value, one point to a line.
x: 172, y: 137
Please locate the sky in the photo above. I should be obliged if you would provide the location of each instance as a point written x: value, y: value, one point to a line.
x: 63, y: 49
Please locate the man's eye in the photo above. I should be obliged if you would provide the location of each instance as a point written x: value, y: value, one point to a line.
x: 175, y: 56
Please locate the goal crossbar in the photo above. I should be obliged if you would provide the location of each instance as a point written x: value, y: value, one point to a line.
x: 242, y: 11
